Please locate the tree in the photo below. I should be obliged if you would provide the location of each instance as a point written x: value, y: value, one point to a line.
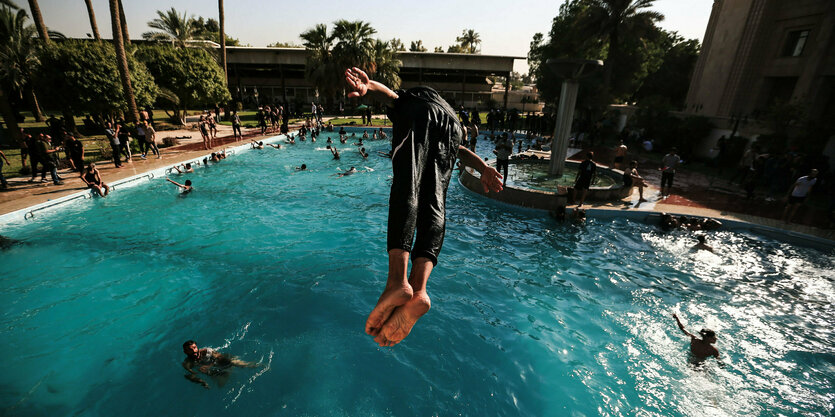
x: 470, y: 41
x: 92, y: 16
x: 123, y: 23
x: 456, y: 49
x: 86, y: 75
x: 222, y: 39
x: 122, y: 62
x: 284, y: 45
x: 671, y: 80
x: 321, y: 68
x: 18, y: 55
x: 386, y: 64
x: 172, y: 27
x: 417, y: 46
x: 439, y: 49
x: 38, y: 18
x: 611, y: 20
x: 188, y: 77
x: 355, y: 46
x: 397, y: 45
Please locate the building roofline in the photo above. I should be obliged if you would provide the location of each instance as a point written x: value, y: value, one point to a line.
x: 440, y: 54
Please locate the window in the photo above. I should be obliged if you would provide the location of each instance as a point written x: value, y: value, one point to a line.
x: 795, y: 43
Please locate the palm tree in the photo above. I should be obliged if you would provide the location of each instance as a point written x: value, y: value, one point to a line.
x: 172, y: 27
x: 18, y: 57
x: 122, y: 61
x: 123, y: 23
x: 222, y: 18
x: 397, y: 45
x: 386, y: 64
x: 417, y: 46
x: 38, y: 18
x: 93, y: 24
x: 355, y: 47
x: 470, y: 41
x: 611, y: 19
x: 321, y: 69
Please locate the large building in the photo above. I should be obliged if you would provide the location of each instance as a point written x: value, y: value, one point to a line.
x: 756, y: 52
x: 271, y: 75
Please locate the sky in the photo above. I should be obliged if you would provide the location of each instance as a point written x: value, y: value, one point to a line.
x: 505, y: 27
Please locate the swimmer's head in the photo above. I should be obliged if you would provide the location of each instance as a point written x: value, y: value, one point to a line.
x: 362, y: 149
x: 328, y: 147
x: 190, y: 348
x: 304, y: 167
x: 261, y: 143
x: 188, y: 165
x: 708, y: 335
x: 701, y: 238
x: 188, y: 183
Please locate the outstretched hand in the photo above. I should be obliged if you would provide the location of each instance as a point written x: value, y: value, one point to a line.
x: 358, y: 80
x: 491, y: 179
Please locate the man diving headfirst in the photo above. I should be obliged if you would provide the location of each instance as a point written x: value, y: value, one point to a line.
x: 426, y: 139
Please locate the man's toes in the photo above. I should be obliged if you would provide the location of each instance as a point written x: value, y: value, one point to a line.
x: 381, y: 339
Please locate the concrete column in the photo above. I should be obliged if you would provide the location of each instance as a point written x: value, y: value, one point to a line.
x: 506, y: 88
x: 565, y: 116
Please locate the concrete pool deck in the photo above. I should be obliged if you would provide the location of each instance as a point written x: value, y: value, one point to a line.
x: 23, y: 195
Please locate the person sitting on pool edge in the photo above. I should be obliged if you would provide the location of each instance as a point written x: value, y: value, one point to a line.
x: 702, y: 348
x: 186, y: 188
x: 426, y: 141
x: 92, y: 178
x: 209, y: 362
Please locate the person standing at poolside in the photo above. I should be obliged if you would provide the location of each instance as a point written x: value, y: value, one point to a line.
x: 668, y: 171
x: 140, y: 138
x: 151, y: 138
x: 426, y: 140
x: 585, y: 176
x: 703, y: 348
x: 114, y: 144
x: 236, y: 125
x: 210, y: 362
x: 124, y: 140
x: 620, y: 155
x: 3, y: 183
x: 76, y: 150
x: 798, y: 193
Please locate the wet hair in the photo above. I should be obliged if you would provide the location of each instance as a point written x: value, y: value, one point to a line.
x: 304, y: 166
x: 188, y: 165
x: 188, y: 343
x: 188, y: 183
x: 261, y: 143
x: 701, y: 238
x: 707, y: 333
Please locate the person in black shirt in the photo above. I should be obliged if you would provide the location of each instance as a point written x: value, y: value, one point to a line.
x: 426, y: 141
x: 585, y: 176
x: 76, y: 151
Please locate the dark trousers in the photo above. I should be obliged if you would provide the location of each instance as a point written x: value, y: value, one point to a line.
x: 502, y: 164
x: 667, y: 178
x: 236, y: 130
x: 78, y: 161
x: 33, y: 164
x: 117, y: 158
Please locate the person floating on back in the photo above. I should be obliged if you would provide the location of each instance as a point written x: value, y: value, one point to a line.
x: 210, y: 362
x: 426, y: 140
x: 703, y: 348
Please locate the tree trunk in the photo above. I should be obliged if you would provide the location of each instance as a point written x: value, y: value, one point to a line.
x: 10, y: 118
x: 33, y: 101
x: 93, y: 24
x: 38, y: 18
x: 124, y: 24
x: 222, y: 17
x: 122, y: 61
x: 611, y: 60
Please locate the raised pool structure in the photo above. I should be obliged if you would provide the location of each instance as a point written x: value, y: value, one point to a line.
x: 529, y: 316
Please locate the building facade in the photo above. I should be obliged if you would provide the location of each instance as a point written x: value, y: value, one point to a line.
x: 758, y: 52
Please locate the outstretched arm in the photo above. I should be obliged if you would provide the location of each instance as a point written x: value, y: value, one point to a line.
x: 490, y: 178
x: 361, y: 85
x: 681, y: 326
x: 175, y: 183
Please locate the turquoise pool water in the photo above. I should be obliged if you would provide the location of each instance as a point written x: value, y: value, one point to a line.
x: 529, y: 317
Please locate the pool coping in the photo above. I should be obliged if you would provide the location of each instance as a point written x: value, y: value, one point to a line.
x: 650, y: 216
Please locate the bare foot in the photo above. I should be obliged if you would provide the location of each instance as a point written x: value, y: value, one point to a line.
x: 402, y: 319
x: 390, y: 298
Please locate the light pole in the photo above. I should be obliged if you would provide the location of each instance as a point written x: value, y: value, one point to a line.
x: 570, y: 70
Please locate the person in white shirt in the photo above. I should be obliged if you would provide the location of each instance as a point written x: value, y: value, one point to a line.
x: 797, y: 194
x: 668, y: 171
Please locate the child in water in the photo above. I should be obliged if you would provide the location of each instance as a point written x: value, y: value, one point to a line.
x: 702, y: 348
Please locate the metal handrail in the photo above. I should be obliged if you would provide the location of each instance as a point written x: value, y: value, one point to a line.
x: 31, y: 213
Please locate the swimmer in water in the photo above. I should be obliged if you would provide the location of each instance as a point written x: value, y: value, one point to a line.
x: 275, y: 146
x: 703, y: 348
x: 702, y: 245
x: 302, y: 168
x: 257, y: 145
x: 363, y: 153
x: 329, y: 140
x: 334, y: 152
x: 186, y: 169
x: 346, y: 173
x: 187, y: 188
x: 209, y: 362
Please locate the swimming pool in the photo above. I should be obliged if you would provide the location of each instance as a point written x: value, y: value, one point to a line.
x: 529, y: 317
